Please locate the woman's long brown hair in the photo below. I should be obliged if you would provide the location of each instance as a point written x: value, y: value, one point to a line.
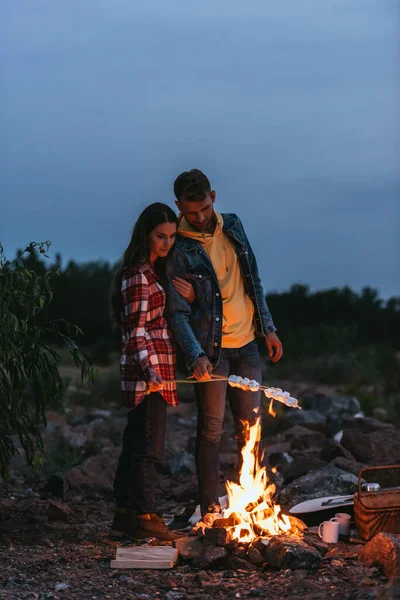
x: 138, y: 251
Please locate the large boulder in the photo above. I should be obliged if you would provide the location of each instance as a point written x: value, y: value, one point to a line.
x: 366, y: 424
x: 312, y: 419
x: 97, y: 472
x: 300, y: 466
x: 346, y: 464
x: 379, y: 447
x: 333, y: 449
x: 334, y: 408
x: 330, y: 405
x: 302, y: 438
x: 328, y: 481
x: 383, y: 551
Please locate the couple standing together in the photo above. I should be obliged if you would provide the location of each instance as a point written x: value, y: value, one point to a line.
x: 192, y: 280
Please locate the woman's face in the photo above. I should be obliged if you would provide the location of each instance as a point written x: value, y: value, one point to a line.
x: 161, y: 240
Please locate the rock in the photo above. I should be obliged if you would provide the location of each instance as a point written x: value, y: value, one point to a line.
x: 175, y: 594
x: 366, y: 424
x: 61, y: 587
x: 286, y: 552
x: 96, y: 472
x: 182, y: 462
x: 279, y: 459
x: 380, y: 413
x: 210, y: 557
x: 300, y: 466
x: 312, y: 419
x: 216, y: 536
x: 255, y: 556
x: 383, y: 551
x: 317, y: 543
x: 235, y: 562
x: 302, y: 438
x: 379, y: 447
x: 240, y: 552
x: 228, y: 459
x: 317, y: 484
x: 350, y: 466
x: 189, y: 548
x: 57, y: 511
x: 336, y: 409
x: 57, y: 486
x: 385, y: 592
x: 333, y: 449
x: 323, y: 412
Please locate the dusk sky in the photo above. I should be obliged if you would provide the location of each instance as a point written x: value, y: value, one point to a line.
x: 290, y: 107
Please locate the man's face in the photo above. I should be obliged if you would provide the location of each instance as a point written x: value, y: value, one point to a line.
x: 199, y: 213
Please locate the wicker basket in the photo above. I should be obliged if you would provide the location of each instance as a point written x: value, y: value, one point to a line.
x: 377, y: 511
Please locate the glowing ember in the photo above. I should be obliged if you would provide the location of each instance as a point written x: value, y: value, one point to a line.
x: 250, y: 503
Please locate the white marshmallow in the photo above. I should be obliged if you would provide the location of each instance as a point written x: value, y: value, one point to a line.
x: 235, y: 380
x: 245, y: 383
x: 254, y: 386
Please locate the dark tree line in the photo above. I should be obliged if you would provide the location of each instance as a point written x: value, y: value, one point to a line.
x: 308, y: 322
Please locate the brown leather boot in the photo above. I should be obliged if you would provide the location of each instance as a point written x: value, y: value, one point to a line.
x: 125, y: 524
x: 138, y: 527
x: 152, y: 525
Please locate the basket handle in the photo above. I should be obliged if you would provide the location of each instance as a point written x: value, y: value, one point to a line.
x: 384, y: 468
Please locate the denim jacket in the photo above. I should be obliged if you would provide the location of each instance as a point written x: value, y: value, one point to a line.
x: 197, y: 327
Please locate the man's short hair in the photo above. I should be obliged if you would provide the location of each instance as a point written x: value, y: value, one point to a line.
x: 192, y: 185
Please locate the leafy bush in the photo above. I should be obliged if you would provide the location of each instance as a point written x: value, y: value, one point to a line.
x: 29, y: 376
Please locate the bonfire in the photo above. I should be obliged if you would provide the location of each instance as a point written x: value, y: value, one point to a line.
x: 251, y: 512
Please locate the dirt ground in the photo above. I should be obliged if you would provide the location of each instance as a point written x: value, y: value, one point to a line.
x: 55, y: 560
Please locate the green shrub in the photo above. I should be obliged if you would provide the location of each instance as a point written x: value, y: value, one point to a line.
x: 29, y: 376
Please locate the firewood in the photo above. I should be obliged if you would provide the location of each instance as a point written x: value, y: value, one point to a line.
x: 145, y: 557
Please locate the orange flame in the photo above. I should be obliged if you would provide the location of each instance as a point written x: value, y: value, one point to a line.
x: 250, y: 501
x: 271, y: 410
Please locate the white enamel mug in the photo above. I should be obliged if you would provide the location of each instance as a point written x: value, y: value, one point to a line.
x: 330, y: 532
x: 344, y: 523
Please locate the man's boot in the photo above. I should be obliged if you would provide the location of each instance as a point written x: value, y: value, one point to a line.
x: 152, y: 525
x: 138, y: 527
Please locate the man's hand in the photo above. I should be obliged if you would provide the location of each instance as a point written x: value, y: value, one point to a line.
x: 274, y: 345
x: 202, y: 369
x: 155, y: 383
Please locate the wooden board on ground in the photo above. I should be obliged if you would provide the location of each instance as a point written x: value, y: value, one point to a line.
x: 145, y: 557
x: 142, y: 564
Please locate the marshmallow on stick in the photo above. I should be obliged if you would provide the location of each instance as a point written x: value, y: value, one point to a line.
x: 270, y: 392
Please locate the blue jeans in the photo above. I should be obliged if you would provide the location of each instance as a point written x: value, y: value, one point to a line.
x: 143, y: 445
x: 245, y: 407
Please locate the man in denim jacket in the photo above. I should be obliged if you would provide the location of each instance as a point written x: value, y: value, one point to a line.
x: 217, y: 332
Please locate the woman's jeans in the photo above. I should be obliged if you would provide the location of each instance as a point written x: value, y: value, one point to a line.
x: 143, y: 445
x: 245, y: 407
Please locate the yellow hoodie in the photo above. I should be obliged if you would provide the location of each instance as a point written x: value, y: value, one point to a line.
x: 238, y: 310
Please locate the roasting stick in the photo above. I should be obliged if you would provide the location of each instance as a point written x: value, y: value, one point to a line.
x: 249, y: 385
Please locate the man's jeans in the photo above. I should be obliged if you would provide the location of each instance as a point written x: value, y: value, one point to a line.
x: 143, y: 445
x: 245, y: 407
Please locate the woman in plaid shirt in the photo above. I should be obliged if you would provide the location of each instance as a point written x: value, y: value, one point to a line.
x: 147, y: 371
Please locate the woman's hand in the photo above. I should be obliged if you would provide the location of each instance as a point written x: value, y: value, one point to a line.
x: 155, y: 383
x: 184, y: 288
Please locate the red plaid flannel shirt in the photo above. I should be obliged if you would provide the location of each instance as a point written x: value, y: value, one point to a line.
x: 147, y: 345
